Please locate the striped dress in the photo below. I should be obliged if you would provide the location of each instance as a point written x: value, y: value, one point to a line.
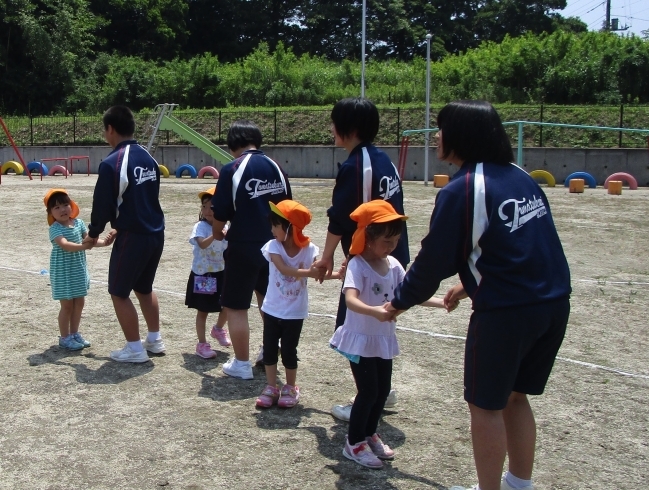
x: 68, y: 270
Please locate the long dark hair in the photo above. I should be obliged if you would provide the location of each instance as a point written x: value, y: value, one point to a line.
x: 473, y: 132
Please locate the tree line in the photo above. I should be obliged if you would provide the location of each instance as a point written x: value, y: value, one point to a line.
x: 76, y: 56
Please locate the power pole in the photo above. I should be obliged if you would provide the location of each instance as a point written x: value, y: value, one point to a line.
x: 612, y: 25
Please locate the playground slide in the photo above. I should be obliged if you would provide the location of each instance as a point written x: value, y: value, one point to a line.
x: 198, y: 140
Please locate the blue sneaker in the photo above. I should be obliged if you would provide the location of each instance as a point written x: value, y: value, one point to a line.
x: 77, y: 336
x: 70, y: 343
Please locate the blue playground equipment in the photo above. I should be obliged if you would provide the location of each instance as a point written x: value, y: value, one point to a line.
x: 186, y: 167
x: 589, y: 179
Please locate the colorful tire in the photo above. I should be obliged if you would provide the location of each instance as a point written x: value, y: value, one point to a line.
x: 58, y: 168
x: 208, y: 170
x: 189, y: 168
x: 623, y: 176
x: 545, y: 175
x: 11, y: 165
x: 163, y: 170
x: 36, y: 167
x: 589, y: 179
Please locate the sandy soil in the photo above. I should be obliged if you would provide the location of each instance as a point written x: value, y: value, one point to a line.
x: 78, y: 420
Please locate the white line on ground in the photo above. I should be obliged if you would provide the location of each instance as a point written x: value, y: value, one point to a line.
x: 433, y: 334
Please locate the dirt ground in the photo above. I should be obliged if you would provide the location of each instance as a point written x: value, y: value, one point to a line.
x: 79, y: 420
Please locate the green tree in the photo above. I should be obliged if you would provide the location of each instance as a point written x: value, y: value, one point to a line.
x: 46, y: 46
x: 151, y: 29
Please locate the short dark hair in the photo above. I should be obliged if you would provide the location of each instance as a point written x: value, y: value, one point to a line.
x: 121, y: 119
x: 473, y: 132
x: 56, y: 199
x: 275, y: 220
x: 387, y: 229
x: 358, y: 115
x: 243, y: 133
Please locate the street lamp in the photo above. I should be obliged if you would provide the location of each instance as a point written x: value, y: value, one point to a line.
x: 427, y: 134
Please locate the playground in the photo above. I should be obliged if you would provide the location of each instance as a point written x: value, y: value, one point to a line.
x: 79, y: 420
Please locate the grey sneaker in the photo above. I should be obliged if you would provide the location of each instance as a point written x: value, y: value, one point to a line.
x: 260, y: 356
x: 155, y: 347
x: 342, y: 412
x: 390, y: 402
x: 127, y: 355
x: 238, y: 369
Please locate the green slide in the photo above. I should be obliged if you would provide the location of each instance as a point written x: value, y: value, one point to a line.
x: 198, y: 140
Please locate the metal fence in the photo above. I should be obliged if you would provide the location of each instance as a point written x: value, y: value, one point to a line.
x: 313, y: 126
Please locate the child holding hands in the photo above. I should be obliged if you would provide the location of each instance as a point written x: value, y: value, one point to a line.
x: 206, y: 278
x: 291, y: 257
x: 368, y: 335
x: 68, y: 269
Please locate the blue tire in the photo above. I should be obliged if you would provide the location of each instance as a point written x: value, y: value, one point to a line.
x: 188, y: 167
x: 36, y: 167
x: 589, y: 179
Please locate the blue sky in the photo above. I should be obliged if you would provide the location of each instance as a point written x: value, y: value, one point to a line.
x: 634, y: 13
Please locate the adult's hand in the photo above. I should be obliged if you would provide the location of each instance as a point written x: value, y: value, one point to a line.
x: 453, y: 296
x: 394, y: 313
x: 326, y: 264
x: 90, y: 240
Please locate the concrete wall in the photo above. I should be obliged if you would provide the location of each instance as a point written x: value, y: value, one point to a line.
x: 322, y: 161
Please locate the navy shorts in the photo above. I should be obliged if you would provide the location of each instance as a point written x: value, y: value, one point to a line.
x: 246, y: 270
x: 134, y: 262
x: 512, y: 349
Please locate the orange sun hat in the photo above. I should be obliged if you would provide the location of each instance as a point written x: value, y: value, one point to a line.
x: 368, y: 213
x: 296, y: 214
x: 209, y: 192
x: 75, y: 208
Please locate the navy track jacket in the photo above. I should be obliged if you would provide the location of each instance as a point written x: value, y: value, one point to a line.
x: 491, y: 225
x: 367, y: 174
x: 127, y: 192
x: 244, y: 188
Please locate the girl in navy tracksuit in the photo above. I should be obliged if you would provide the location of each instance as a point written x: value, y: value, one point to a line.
x: 492, y: 225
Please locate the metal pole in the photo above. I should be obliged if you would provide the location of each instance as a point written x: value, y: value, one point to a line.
x: 519, y: 155
x: 427, y: 134
x: 363, y: 50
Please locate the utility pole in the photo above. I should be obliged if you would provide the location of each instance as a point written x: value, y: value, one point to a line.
x: 612, y: 25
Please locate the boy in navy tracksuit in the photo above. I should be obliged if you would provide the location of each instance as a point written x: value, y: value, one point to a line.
x: 244, y: 189
x: 367, y: 174
x: 127, y: 196
x: 492, y: 225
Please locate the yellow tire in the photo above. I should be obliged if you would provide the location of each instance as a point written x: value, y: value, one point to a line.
x: 11, y: 165
x: 164, y: 170
x: 545, y: 175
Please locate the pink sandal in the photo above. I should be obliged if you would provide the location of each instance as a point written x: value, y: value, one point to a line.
x: 268, y: 397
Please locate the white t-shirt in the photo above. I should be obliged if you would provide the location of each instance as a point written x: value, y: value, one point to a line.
x: 287, y: 297
x: 364, y: 335
x: 209, y: 259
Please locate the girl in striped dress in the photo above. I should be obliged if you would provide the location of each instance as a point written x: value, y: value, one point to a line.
x: 68, y: 270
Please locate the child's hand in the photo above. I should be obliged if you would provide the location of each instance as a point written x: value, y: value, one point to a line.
x: 382, y: 314
x: 87, y: 245
x: 342, y: 271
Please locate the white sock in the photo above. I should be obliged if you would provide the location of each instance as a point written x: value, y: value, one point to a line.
x: 515, y: 482
x: 153, y: 336
x: 136, y: 346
